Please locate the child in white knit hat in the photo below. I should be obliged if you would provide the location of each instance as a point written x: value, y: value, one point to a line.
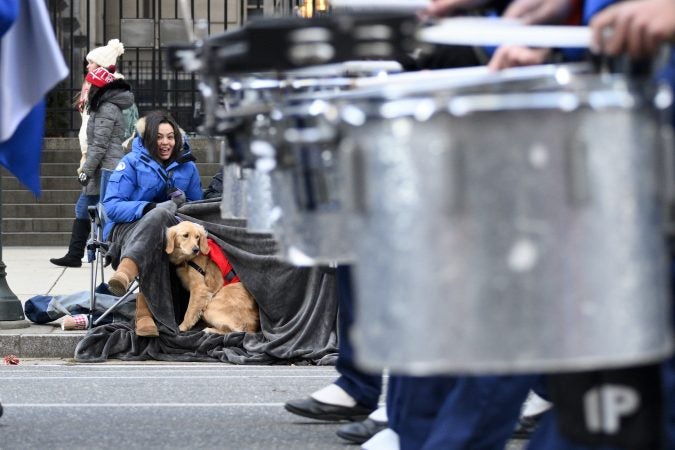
x: 107, y: 55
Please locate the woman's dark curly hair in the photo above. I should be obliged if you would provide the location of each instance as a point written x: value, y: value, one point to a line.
x: 152, y: 122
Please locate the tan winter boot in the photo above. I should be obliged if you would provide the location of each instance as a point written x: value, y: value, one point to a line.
x: 126, y: 272
x: 145, y: 324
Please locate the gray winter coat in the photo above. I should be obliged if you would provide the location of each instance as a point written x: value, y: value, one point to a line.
x: 105, y: 131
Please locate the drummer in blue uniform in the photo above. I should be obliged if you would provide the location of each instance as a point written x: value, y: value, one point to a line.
x: 464, y: 412
x: 355, y: 394
x: 477, y: 412
x: 640, y: 28
x: 454, y: 412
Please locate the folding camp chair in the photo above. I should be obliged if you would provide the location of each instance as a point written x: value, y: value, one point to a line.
x: 97, y: 249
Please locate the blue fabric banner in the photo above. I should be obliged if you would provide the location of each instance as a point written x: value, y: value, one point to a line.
x: 31, y: 64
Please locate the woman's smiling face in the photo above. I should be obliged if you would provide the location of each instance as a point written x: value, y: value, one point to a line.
x: 166, y: 141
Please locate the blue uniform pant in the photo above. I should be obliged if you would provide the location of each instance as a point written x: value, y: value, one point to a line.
x: 465, y: 412
x: 480, y: 412
x: 363, y: 387
x: 413, y: 404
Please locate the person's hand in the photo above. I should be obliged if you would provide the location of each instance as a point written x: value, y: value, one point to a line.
x: 169, y: 205
x: 440, y: 8
x: 83, y: 179
x: 636, y: 27
x: 538, y: 11
x: 178, y: 197
x: 514, y: 56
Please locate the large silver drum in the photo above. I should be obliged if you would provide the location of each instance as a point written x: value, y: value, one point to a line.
x: 515, y: 227
x: 309, y: 221
x: 233, y: 202
x: 244, y: 119
x: 312, y: 228
x: 289, y: 172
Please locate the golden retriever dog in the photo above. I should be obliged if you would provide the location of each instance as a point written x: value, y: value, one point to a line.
x: 225, y: 307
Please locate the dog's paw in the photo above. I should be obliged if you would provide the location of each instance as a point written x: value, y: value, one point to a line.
x: 183, y: 327
x: 211, y: 330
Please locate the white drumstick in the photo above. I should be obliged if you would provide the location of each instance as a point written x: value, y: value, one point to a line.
x: 465, y: 73
x: 428, y: 80
x: 411, y: 5
x: 347, y: 68
x: 495, y: 32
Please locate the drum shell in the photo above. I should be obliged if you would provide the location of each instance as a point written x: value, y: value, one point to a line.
x: 259, y: 201
x: 509, y: 241
x: 313, y: 228
x: 233, y: 203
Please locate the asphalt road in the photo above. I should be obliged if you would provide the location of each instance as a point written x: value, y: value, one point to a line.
x: 57, y: 405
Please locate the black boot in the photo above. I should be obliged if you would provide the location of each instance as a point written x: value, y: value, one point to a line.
x: 78, y: 240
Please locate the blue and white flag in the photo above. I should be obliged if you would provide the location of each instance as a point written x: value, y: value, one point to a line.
x: 31, y: 64
x: 8, y: 12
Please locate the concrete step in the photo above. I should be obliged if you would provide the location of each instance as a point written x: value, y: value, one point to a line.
x: 201, y: 148
x: 72, y: 157
x: 42, y: 211
x: 54, y: 143
x: 57, y: 169
x: 49, y: 183
x: 50, y: 169
x: 38, y: 225
x: 10, y: 197
x: 196, y: 142
x: 65, y: 157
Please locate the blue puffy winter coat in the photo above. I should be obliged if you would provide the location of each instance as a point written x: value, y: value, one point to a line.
x: 138, y: 180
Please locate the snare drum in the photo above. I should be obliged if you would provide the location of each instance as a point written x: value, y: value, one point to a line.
x: 233, y: 201
x: 296, y: 169
x: 511, y: 226
x: 243, y: 118
x: 312, y: 227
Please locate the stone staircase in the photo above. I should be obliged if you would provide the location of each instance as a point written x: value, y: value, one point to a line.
x: 28, y: 221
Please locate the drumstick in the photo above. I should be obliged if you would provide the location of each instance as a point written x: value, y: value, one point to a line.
x: 409, y: 5
x: 426, y: 75
x: 492, y: 32
x: 428, y: 80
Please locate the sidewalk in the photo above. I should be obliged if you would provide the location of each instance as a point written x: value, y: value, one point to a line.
x: 29, y: 273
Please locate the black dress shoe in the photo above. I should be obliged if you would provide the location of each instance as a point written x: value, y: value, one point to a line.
x: 308, y: 407
x: 360, y: 432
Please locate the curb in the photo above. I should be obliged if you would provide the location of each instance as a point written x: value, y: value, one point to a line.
x: 39, y: 346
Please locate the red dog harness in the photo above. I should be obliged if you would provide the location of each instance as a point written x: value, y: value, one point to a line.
x: 218, y: 256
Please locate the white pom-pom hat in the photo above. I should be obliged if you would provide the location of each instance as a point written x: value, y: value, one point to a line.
x: 107, y: 55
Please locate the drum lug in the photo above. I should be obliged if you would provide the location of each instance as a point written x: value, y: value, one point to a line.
x: 576, y: 173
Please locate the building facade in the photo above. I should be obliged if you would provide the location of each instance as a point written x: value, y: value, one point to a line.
x: 145, y: 27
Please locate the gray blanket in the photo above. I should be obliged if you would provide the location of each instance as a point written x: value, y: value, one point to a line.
x: 298, y: 309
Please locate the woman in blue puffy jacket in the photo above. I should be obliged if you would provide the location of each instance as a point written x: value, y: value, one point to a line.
x: 141, y: 198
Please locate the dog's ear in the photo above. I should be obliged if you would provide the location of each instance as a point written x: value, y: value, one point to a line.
x: 170, y: 240
x: 203, y: 244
